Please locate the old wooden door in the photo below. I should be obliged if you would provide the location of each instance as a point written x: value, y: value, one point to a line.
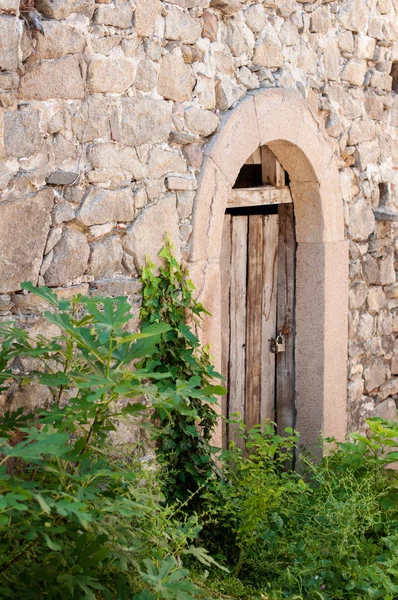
x: 258, y: 282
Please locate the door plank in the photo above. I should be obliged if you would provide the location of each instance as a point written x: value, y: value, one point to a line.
x: 272, y: 170
x: 268, y: 317
x: 237, y: 356
x: 259, y: 196
x: 286, y: 318
x: 225, y: 269
x: 255, y: 158
x: 253, y: 319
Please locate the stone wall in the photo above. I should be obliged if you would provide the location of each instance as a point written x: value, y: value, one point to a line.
x: 103, y: 119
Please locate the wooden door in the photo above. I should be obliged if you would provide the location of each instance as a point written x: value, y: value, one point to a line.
x: 257, y: 278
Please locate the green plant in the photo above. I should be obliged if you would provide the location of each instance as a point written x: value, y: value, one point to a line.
x: 77, y: 520
x: 330, y: 534
x: 184, y: 446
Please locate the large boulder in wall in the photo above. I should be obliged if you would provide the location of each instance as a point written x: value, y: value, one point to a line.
x: 24, y: 227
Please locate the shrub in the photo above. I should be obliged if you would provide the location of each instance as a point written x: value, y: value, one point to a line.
x: 184, y: 447
x: 330, y: 533
x: 76, y: 520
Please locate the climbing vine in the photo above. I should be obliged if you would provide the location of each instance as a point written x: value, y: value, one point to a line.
x: 184, y: 446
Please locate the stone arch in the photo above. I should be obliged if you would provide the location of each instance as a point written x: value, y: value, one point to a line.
x: 282, y: 120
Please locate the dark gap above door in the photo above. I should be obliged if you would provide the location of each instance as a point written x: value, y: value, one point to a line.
x: 249, y: 176
x: 265, y: 209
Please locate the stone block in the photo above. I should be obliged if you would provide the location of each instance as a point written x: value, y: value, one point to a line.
x: 190, y: 3
x: 11, y: 6
x: 62, y: 178
x: 180, y: 26
x: 147, y: 76
x: 390, y: 388
x: 104, y: 206
x: 162, y: 162
x: 365, y: 327
x: 381, y: 81
x: 24, y: 226
x: 9, y: 39
x: 70, y: 258
x: 387, y: 270
x: 159, y: 219
x: 228, y: 93
x: 375, y: 375
x: 376, y: 299
x: 63, y: 212
x: 181, y: 183
x: 119, y: 15
x: 205, y: 92
x: 61, y: 78
x: 199, y: 121
x: 353, y: 15
x: 114, y: 156
x: 362, y: 220
x: 145, y: 120
x: 227, y: 7
x: 117, y: 286
x: 146, y: 14
x: 59, y: 39
x: 321, y: 20
x: 210, y: 26
x: 365, y: 47
x: 22, y: 136
x: 176, y: 80
x: 394, y: 362
x: 61, y: 9
x: 111, y: 74
x: 268, y: 52
x: 235, y: 39
x: 105, y: 257
x: 92, y: 119
x: 256, y: 17
x: 354, y: 71
x: 357, y: 294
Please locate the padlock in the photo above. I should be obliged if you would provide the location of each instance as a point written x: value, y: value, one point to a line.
x: 278, y: 344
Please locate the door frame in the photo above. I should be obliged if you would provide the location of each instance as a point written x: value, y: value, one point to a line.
x: 281, y: 120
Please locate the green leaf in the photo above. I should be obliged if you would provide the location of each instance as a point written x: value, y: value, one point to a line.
x: 51, y: 544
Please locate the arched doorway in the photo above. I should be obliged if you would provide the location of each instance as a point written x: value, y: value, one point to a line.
x: 281, y: 120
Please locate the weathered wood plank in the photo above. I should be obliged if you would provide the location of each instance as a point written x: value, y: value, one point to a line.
x: 259, y: 196
x: 272, y: 170
x: 268, y: 317
x: 253, y: 319
x: 225, y: 269
x: 286, y: 319
x: 237, y: 352
x: 255, y: 158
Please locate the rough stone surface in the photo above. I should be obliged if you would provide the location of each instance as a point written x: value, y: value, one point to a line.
x: 180, y: 26
x: 146, y: 13
x: 145, y: 120
x: 117, y: 107
x: 116, y: 15
x: 161, y: 218
x: 105, y: 257
x: 61, y: 9
x: 111, y: 74
x: 104, y: 206
x: 61, y: 78
x: 59, y: 40
x: 22, y: 136
x: 22, y: 240
x: 175, y: 79
x: 8, y: 43
x: 70, y: 258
